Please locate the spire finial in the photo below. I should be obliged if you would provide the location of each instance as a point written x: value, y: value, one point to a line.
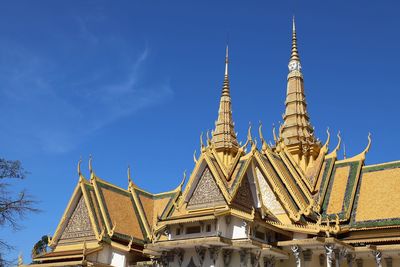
x: 295, y: 53
x: 294, y: 24
x: 226, y: 60
x: 223, y: 137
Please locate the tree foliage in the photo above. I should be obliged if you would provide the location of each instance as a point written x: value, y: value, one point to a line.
x: 13, y: 205
x: 40, y: 246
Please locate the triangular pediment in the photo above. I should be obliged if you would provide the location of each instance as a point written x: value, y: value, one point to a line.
x: 243, y: 198
x: 206, y: 192
x: 78, y: 226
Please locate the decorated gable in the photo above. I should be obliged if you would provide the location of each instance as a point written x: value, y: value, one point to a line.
x: 207, y: 192
x: 78, y: 227
x: 243, y: 198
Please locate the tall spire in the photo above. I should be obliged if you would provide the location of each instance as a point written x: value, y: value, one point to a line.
x: 224, y: 137
x: 297, y: 131
x: 295, y: 52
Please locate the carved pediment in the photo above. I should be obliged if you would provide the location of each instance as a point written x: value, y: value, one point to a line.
x: 206, y: 192
x: 78, y: 225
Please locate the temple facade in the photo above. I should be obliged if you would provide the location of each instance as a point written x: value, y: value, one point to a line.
x: 291, y: 203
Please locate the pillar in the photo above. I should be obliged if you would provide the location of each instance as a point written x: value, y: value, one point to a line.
x: 214, y: 253
x: 226, y: 255
x: 378, y: 258
x: 297, y: 255
x: 330, y: 255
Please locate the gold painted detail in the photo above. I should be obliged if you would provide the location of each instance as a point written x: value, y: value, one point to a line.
x: 206, y: 191
x: 79, y: 225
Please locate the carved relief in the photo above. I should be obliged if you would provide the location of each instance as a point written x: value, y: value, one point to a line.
x: 206, y: 191
x: 268, y: 196
x: 78, y: 225
x: 243, y: 196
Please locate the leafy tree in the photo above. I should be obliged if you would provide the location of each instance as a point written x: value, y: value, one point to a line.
x: 40, y: 246
x: 13, y: 205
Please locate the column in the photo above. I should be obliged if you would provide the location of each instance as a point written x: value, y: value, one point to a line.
x: 201, y: 252
x: 330, y: 255
x: 378, y: 258
x: 297, y: 255
x: 226, y: 255
x: 340, y: 256
x: 244, y: 257
x: 214, y: 253
x: 179, y: 255
x: 350, y: 258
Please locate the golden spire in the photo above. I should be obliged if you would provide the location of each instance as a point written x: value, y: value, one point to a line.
x: 224, y: 137
x: 295, y: 52
x: 297, y: 132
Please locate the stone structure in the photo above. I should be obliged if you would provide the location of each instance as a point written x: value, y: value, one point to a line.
x: 293, y: 203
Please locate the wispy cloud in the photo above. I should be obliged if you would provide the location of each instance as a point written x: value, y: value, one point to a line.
x: 46, y: 110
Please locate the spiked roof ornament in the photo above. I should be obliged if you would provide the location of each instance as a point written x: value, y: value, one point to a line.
x: 224, y: 137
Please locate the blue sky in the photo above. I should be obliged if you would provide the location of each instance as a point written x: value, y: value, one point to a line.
x: 136, y: 82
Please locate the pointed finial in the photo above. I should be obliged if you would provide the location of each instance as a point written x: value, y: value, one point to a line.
x: 294, y: 24
x: 79, y: 167
x: 226, y: 60
x: 129, y: 174
x: 294, y: 57
x: 344, y: 150
x: 90, y: 164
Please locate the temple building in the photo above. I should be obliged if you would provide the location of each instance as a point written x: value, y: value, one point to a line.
x: 291, y: 203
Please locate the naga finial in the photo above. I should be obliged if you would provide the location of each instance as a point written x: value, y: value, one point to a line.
x: 201, y: 141
x: 79, y: 167
x: 208, y: 137
x: 328, y: 138
x: 129, y: 175
x: 263, y: 142
x: 194, y: 157
x: 274, y: 133
x: 90, y: 164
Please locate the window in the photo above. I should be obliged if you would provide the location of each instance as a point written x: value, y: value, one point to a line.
x: 208, y: 228
x: 178, y: 231
x: 193, y: 230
